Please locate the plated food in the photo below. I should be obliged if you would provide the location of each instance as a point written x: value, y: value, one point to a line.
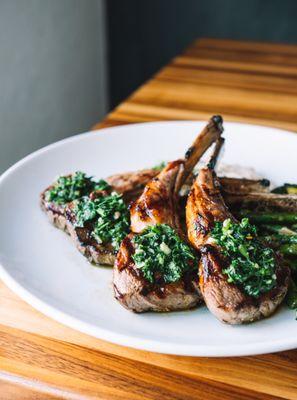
x: 242, y: 279
x: 155, y: 267
x: 166, y: 261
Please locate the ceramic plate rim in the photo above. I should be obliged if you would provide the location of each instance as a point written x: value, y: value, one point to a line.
x: 260, y: 347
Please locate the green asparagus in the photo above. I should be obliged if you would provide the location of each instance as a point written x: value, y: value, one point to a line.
x: 279, y: 229
x: 277, y: 240
x: 289, y: 249
x: 270, y: 217
x: 287, y: 188
x: 291, y: 298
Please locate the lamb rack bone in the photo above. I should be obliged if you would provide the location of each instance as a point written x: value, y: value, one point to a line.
x: 158, y: 204
x: 227, y: 301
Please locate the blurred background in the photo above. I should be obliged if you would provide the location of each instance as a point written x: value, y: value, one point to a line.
x: 65, y: 63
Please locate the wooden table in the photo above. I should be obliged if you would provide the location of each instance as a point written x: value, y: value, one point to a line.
x: 41, y: 359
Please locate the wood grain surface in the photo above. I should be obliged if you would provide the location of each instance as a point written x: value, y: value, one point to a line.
x: 41, y: 359
x: 247, y: 82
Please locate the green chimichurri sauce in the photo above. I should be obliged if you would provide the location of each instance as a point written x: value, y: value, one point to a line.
x: 252, y: 265
x: 109, y: 216
x: 72, y: 187
x: 159, y: 252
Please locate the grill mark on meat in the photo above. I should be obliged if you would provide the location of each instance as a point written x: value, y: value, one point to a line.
x: 211, y: 257
x: 157, y: 202
x: 188, y: 278
x: 118, y: 295
x: 158, y: 205
x: 209, y: 261
x: 145, y: 291
x: 227, y: 301
x: 200, y: 223
x: 124, y: 259
x: 130, y: 185
x: 189, y: 152
x: 160, y: 291
x: 84, y: 236
x: 143, y: 211
x: 55, y: 209
x: 152, y: 202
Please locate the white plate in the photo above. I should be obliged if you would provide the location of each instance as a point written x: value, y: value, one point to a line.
x: 40, y: 263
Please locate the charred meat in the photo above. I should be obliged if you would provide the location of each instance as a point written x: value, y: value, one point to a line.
x: 241, y: 278
x: 155, y: 267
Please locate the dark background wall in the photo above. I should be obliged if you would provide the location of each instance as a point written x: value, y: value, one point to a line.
x: 143, y: 35
x: 52, y: 72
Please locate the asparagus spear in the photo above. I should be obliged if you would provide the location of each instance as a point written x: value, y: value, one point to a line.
x: 278, y: 240
x: 271, y: 217
x: 287, y: 188
x: 291, y: 298
x: 289, y: 249
x: 279, y: 229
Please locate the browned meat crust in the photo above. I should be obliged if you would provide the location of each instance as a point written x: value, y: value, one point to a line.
x: 243, y: 186
x: 54, y: 212
x: 61, y: 216
x: 158, y: 204
x: 226, y: 301
x: 86, y: 244
x: 131, y: 184
x: 137, y: 295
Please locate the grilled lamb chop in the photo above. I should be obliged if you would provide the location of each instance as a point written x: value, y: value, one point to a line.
x: 243, y: 186
x: 63, y: 217
x: 128, y: 184
x: 98, y: 254
x: 55, y: 212
x: 227, y: 301
x: 158, y: 204
x: 131, y: 185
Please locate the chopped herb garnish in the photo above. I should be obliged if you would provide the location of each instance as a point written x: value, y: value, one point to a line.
x: 84, y: 210
x: 251, y: 264
x: 160, y: 253
x: 72, y: 187
x: 109, y: 216
x: 160, y: 166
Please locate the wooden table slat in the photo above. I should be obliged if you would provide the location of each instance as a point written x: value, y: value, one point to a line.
x: 244, y: 81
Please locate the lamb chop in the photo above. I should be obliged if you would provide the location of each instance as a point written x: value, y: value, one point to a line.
x: 55, y: 212
x: 243, y: 186
x: 56, y: 201
x: 241, y: 278
x: 56, y: 198
x: 82, y: 234
x: 131, y: 185
x: 138, y: 284
x: 261, y: 201
x: 59, y: 202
